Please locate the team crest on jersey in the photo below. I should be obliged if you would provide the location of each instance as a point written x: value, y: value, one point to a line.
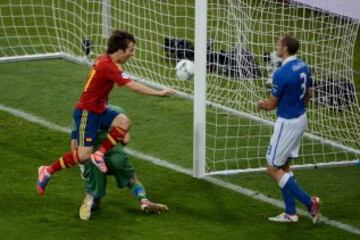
x: 274, y: 88
x: 88, y: 139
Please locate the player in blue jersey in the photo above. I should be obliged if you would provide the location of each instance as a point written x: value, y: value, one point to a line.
x: 291, y: 91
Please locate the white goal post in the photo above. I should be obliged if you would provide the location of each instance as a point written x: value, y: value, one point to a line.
x: 232, y: 44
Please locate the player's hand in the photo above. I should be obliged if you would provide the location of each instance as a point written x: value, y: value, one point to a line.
x: 166, y: 92
x: 259, y: 105
x: 73, y: 145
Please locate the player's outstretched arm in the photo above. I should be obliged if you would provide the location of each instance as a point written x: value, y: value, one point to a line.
x: 141, y: 88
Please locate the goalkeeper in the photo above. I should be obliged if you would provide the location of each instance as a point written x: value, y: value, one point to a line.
x: 121, y: 168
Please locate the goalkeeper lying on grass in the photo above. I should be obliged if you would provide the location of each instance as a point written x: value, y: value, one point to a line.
x: 122, y: 169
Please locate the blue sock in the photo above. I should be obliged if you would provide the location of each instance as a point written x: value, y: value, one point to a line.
x: 137, y: 190
x: 289, y: 201
x: 289, y: 184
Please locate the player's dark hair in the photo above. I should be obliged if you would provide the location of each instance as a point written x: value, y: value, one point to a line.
x: 119, y: 40
x: 291, y: 43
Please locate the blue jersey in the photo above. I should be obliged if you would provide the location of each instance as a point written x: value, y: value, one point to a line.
x: 290, y: 84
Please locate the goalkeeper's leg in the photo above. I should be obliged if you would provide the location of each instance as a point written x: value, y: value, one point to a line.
x: 89, y: 205
x: 95, y: 185
x: 138, y: 191
x: 86, y: 207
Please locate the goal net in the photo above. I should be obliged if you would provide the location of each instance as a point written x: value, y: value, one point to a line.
x: 241, y: 38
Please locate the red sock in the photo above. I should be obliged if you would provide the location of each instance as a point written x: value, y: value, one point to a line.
x: 68, y: 160
x: 114, y: 136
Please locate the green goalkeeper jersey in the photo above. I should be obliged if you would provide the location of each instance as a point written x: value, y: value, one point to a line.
x: 118, y: 164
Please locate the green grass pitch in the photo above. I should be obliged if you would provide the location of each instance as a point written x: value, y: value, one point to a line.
x: 198, y: 209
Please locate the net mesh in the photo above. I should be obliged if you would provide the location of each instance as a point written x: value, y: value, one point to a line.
x: 241, y: 40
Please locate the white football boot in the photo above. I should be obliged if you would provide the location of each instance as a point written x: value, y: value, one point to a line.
x: 150, y: 207
x: 85, y: 209
x: 284, y: 218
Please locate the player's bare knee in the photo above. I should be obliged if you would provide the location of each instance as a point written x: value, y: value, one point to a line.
x: 126, y: 123
x: 84, y: 153
x: 121, y: 121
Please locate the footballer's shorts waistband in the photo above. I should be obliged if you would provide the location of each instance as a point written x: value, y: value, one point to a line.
x: 293, y: 119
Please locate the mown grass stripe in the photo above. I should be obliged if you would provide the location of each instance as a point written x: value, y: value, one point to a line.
x: 163, y: 163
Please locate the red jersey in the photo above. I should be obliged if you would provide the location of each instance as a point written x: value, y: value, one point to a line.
x: 101, y: 79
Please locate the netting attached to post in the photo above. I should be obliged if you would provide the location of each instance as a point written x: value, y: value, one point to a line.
x: 240, y: 60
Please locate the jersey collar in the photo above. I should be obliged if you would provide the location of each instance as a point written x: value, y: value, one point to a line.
x: 289, y: 59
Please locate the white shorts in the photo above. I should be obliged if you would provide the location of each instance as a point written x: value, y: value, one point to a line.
x: 286, y: 139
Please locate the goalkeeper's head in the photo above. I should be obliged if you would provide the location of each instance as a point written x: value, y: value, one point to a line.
x: 121, y: 46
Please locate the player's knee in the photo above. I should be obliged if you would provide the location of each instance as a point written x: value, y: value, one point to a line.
x: 84, y: 154
x: 122, y: 121
x: 126, y: 122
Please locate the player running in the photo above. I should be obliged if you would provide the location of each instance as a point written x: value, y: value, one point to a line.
x: 91, y: 112
x: 121, y: 168
x: 291, y: 92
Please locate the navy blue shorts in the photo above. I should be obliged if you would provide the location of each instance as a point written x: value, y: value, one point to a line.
x: 87, y: 123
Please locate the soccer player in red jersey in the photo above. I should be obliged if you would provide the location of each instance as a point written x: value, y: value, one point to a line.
x: 91, y: 113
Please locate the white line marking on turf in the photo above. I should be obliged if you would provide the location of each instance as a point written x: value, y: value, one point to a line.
x: 166, y: 164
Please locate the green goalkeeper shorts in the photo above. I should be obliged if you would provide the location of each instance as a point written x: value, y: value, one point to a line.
x: 119, y: 166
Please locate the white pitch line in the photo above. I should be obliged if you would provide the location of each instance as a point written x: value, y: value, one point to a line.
x: 245, y: 191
